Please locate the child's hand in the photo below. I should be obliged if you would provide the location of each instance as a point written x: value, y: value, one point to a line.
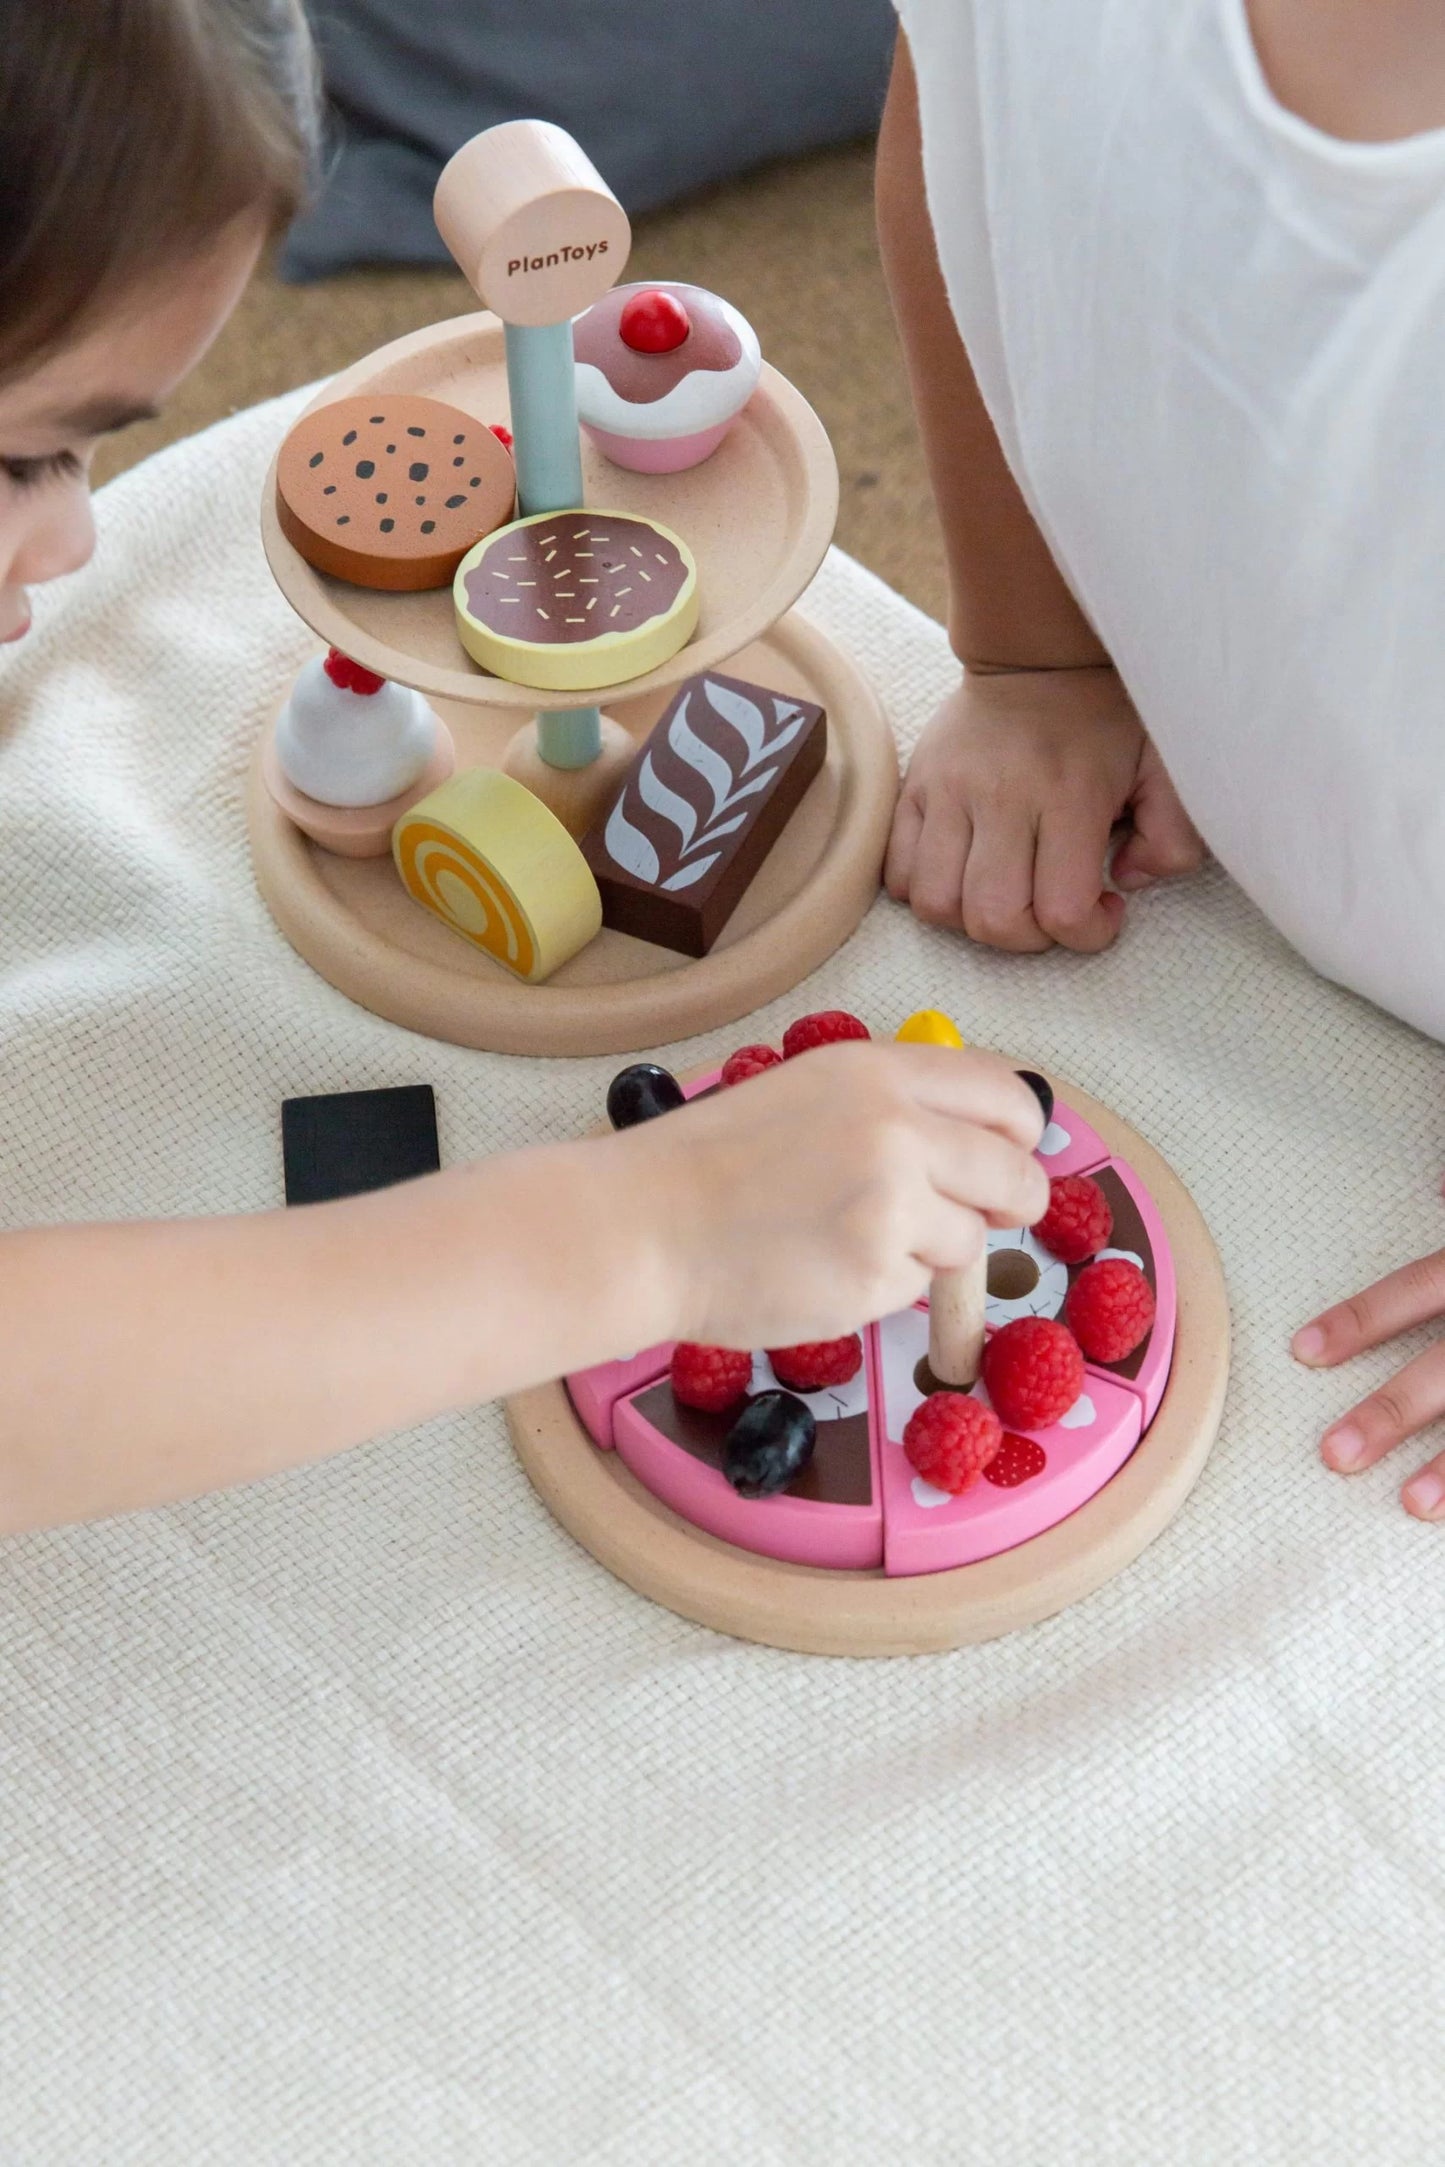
x: 1414, y: 1397
x: 828, y: 1191
x: 1004, y: 822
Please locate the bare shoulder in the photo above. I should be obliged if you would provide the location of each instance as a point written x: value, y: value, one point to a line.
x: 1368, y: 71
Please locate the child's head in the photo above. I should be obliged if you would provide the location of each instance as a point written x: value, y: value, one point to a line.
x: 146, y: 149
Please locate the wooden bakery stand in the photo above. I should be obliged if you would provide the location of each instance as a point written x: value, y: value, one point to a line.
x: 757, y: 516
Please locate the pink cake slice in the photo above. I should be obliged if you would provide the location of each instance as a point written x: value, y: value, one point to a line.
x: 595, y: 1392
x: 1139, y: 1235
x: 859, y: 1503
x: 927, y: 1531
x: 831, y: 1515
x: 1068, y: 1145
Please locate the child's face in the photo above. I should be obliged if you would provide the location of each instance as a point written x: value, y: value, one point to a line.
x: 52, y: 418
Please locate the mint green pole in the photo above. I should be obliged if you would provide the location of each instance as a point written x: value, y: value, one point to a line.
x: 543, y: 391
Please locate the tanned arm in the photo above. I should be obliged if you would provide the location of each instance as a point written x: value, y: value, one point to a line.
x: 1009, y: 607
x: 1020, y: 778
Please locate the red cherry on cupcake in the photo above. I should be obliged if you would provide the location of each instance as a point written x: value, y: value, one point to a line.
x: 653, y: 322
x: 349, y: 675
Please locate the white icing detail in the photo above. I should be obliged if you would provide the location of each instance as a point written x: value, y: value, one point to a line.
x: 628, y: 847
x: 352, y: 748
x: 1127, y: 1255
x: 787, y: 731
x: 741, y: 714
x: 924, y: 1494
x: 631, y: 850
x: 726, y: 827
x: 1053, y: 1141
x: 655, y: 794
x: 748, y: 719
x: 903, y: 1337
x: 700, y: 757
x: 1081, y: 1416
x: 829, y: 1405
x: 704, y: 399
x: 1046, y: 1299
x: 689, y: 875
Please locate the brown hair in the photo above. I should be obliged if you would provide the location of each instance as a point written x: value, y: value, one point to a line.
x: 132, y: 132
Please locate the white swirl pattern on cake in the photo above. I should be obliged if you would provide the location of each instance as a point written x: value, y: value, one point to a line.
x: 721, y: 785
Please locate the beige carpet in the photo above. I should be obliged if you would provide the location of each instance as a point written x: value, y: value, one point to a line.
x: 793, y: 247
x: 359, y: 1819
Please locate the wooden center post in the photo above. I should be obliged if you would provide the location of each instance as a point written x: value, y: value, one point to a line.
x: 540, y: 236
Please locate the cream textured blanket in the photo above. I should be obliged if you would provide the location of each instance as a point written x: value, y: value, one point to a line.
x: 360, y: 1817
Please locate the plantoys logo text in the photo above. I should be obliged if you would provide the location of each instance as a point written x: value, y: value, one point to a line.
x: 558, y: 255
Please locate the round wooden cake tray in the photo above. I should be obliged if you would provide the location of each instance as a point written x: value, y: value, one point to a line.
x: 758, y: 517
x: 354, y: 923
x: 819, y: 1612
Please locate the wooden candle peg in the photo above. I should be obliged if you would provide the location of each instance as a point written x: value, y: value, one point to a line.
x: 956, y: 1300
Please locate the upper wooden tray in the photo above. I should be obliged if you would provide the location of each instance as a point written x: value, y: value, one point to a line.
x: 758, y: 516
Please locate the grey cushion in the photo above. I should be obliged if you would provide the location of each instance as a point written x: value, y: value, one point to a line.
x: 664, y: 95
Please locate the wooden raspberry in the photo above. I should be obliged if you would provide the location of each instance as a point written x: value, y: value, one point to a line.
x: 1034, y: 1372
x: 1110, y: 1308
x: 1078, y: 1222
x: 951, y: 1439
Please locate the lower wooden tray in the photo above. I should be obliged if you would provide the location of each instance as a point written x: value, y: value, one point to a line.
x: 817, y: 1612
x: 354, y: 923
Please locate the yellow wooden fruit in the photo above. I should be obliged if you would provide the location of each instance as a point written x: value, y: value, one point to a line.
x: 496, y: 866
x: 929, y: 1027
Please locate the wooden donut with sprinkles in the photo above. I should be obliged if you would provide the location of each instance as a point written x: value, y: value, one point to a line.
x: 569, y: 600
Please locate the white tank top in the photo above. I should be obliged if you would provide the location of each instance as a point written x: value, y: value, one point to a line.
x: 1212, y: 340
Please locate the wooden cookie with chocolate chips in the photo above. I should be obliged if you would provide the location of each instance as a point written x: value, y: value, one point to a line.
x: 391, y: 490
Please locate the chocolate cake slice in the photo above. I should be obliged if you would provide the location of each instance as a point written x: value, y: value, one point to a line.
x: 1130, y: 1237
x: 839, y: 1473
x: 701, y: 806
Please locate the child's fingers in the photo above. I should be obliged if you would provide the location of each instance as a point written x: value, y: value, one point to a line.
x: 1424, y: 1494
x: 1412, y: 1398
x: 902, y: 847
x: 971, y: 1087
x: 1411, y: 1296
x: 985, y: 1172
x: 1069, y: 904
x: 950, y: 1238
x: 1165, y: 843
x: 935, y: 887
x: 998, y: 884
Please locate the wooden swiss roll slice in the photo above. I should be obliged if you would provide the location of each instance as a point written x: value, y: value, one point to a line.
x: 496, y: 866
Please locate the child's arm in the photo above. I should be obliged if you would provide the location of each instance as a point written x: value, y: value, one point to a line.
x: 148, y: 1362
x: 1005, y: 817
